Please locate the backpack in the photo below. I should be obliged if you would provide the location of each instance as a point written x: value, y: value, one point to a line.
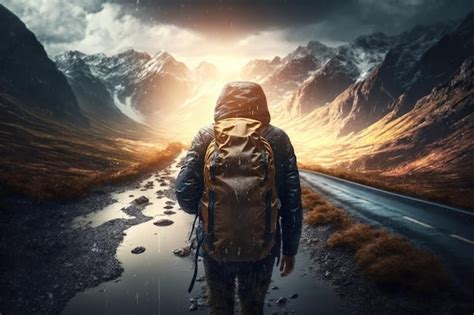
x: 239, y: 207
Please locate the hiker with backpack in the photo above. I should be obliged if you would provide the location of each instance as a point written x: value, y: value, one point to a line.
x: 241, y: 180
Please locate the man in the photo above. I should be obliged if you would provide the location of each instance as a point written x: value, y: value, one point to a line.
x: 228, y: 154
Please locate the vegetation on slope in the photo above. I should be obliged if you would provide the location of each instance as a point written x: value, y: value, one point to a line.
x: 437, y: 188
x: 387, y: 259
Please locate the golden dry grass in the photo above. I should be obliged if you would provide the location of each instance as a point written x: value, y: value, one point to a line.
x: 432, y: 187
x: 47, y: 185
x: 389, y: 260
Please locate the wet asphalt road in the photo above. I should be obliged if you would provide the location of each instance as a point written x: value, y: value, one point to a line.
x: 440, y: 229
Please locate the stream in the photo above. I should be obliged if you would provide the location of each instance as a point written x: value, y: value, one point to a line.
x: 156, y: 281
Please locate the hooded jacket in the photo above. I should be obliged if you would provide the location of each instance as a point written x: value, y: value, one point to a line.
x: 246, y: 99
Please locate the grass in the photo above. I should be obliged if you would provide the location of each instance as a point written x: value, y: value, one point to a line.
x: 65, y: 185
x: 434, y: 187
x: 387, y: 259
x: 43, y: 158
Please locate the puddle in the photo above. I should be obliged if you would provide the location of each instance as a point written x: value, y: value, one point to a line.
x: 155, y: 282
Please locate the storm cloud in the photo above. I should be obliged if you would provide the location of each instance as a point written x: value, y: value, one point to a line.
x: 197, y: 29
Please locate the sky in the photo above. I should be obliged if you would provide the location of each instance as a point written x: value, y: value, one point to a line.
x: 227, y: 33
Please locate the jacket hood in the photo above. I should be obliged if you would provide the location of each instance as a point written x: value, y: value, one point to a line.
x: 242, y: 99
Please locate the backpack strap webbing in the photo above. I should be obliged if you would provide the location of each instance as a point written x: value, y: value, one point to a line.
x: 196, y: 257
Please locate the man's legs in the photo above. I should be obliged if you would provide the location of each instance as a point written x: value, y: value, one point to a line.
x: 253, y: 281
x: 220, y: 279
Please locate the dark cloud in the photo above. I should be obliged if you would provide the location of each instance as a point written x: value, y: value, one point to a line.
x: 336, y: 20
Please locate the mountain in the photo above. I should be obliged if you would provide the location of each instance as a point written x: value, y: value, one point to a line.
x: 205, y: 71
x: 280, y: 77
x: 135, y: 82
x: 258, y: 69
x: 351, y: 63
x: 437, y: 135
x: 91, y: 92
x: 411, y: 116
x: 28, y: 75
x: 295, y: 68
x: 162, y: 84
x: 390, y: 87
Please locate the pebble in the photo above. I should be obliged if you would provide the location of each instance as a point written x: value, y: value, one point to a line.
x: 141, y: 200
x: 163, y: 222
x: 168, y: 207
x: 275, y: 287
x: 193, y: 307
x: 294, y: 296
x: 138, y: 250
x: 281, y: 301
x: 182, y: 252
x: 169, y: 212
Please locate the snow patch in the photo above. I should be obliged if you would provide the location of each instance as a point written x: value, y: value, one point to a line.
x: 127, y: 109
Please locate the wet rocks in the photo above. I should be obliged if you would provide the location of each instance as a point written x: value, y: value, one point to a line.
x: 169, y: 212
x: 193, y: 306
x: 163, y: 184
x: 163, y: 222
x: 294, y: 296
x: 168, y: 207
x: 138, y: 250
x: 200, y: 278
x: 182, y: 252
x: 275, y: 287
x: 149, y: 185
x: 281, y: 301
x: 170, y: 203
x: 141, y: 200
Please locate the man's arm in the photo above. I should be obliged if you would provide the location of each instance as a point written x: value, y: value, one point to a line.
x: 290, y: 197
x: 190, y: 181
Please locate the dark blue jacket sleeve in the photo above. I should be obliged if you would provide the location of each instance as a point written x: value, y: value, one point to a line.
x: 291, y: 211
x: 190, y: 181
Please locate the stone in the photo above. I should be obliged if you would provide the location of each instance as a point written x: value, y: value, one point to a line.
x: 138, y: 250
x: 202, y: 302
x: 163, y: 222
x: 169, y: 212
x: 275, y: 287
x: 182, y: 252
x: 281, y: 301
x: 294, y: 296
x: 168, y: 207
x: 193, y: 307
x: 141, y: 200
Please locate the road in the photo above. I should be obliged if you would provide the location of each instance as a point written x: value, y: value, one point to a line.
x: 443, y: 230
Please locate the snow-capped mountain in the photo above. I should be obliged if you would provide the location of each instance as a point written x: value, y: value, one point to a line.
x: 437, y: 133
x: 296, y: 68
x: 138, y: 84
x: 351, y: 63
x: 91, y: 92
x: 280, y: 77
x: 414, y: 113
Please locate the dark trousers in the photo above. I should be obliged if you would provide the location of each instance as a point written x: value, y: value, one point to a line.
x: 252, y: 279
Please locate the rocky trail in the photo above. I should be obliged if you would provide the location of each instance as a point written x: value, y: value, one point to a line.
x: 156, y: 258
x: 125, y: 250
